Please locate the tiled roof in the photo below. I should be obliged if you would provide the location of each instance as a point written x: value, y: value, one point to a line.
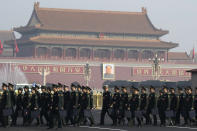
x: 6, y: 36
x: 99, y: 42
x: 94, y: 21
x: 178, y: 56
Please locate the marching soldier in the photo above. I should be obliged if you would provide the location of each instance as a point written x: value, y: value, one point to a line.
x: 37, y: 88
x: 165, y: 106
x: 6, y: 105
x: 106, y: 103
x: 61, y: 111
x: 180, y: 105
x: 195, y: 102
x: 161, y: 108
x: 188, y: 102
x: 1, y: 110
x: 50, y: 106
x: 67, y: 104
x: 72, y: 112
x: 34, y: 107
x: 12, y: 93
x: 56, y: 105
x: 84, y: 103
x: 26, y: 106
x: 43, y: 105
x: 89, y: 106
x: 143, y: 103
x: 151, y: 106
x: 115, y: 105
x: 134, y: 106
x: 123, y: 104
x: 80, y: 92
x: 19, y: 106
x: 173, y: 105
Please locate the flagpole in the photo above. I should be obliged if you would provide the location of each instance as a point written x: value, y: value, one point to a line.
x: 14, y: 53
x: 193, y: 53
x: 15, y: 45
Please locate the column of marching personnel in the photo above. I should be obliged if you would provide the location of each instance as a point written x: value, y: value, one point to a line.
x: 61, y: 105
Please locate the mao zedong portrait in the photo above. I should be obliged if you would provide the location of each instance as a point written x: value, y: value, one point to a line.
x: 108, y: 72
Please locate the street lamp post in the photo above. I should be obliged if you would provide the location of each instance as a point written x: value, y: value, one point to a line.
x: 87, y: 73
x: 44, y: 74
x: 156, y: 66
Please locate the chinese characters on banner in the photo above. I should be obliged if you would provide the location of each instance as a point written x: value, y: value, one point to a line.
x: 51, y: 68
x: 145, y: 71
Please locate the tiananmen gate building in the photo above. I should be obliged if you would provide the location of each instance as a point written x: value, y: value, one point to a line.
x: 63, y: 41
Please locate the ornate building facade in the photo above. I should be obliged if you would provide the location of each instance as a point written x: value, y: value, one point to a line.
x: 62, y: 41
x: 91, y: 35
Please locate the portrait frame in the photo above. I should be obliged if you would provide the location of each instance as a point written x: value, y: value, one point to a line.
x: 111, y: 68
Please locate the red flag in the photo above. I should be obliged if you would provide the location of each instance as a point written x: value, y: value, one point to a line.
x: 16, y: 46
x: 1, y: 47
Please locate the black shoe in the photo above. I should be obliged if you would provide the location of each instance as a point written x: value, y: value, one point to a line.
x: 185, y: 124
x: 92, y: 124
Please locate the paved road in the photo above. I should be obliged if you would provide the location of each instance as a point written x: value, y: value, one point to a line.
x: 107, y: 127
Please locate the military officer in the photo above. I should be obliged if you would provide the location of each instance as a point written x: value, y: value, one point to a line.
x: 173, y: 105
x: 160, y: 107
x: 143, y: 102
x: 34, y: 107
x: 180, y: 105
x: 89, y: 106
x: 72, y: 111
x: 51, y: 110
x: 84, y: 103
x: 80, y: 101
x: 151, y: 106
x: 106, y: 103
x: 115, y: 105
x: 188, y: 103
x: 134, y: 106
x: 43, y: 105
x: 123, y: 104
x: 26, y: 106
x: 6, y: 105
x: 55, y: 108
x: 19, y: 105
x: 67, y: 104
x: 195, y: 102
x: 165, y: 105
x: 60, y: 106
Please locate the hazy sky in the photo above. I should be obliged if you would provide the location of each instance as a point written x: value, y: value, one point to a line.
x: 177, y: 16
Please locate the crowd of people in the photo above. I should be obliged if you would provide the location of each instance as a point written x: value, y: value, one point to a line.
x: 145, y: 107
x: 60, y: 105
x: 54, y: 107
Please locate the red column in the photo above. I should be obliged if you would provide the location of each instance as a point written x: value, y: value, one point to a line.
x: 166, y: 56
x: 126, y: 54
x: 48, y: 52
x: 112, y: 54
x: 92, y: 57
x: 78, y: 53
x: 35, y: 52
x: 140, y: 56
x: 64, y: 53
